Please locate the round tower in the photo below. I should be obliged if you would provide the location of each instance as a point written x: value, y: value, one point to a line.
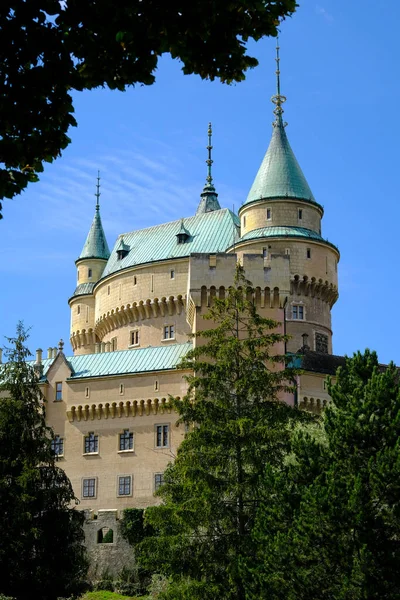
x: 281, y: 216
x: 90, y: 266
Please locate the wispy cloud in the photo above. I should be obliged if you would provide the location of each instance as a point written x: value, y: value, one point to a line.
x: 140, y: 187
x: 322, y: 12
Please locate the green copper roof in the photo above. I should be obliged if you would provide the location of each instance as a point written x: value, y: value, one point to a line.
x: 279, y: 175
x: 96, y: 244
x: 83, y: 289
x: 209, y: 232
x: 293, y: 232
x: 121, y: 362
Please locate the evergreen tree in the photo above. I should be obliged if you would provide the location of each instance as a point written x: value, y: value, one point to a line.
x: 237, y: 427
x: 41, y: 536
x: 329, y: 527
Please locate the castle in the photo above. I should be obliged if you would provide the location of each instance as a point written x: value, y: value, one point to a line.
x: 134, y: 306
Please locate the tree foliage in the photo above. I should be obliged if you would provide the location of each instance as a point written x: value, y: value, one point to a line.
x: 41, y: 552
x: 50, y: 48
x: 237, y: 428
x: 329, y: 527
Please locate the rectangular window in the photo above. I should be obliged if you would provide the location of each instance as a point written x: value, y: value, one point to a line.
x: 121, y: 389
x: 135, y: 337
x: 126, y: 440
x: 124, y: 485
x: 135, y: 280
x: 265, y: 252
x: 91, y: 443
x: 308, y: 252
x: 108, y: 290
x: 58, y: 391
x: 89, y: 488
x: 321, y: 343
x: 169, y: 332
x: 158, y: 480
x: 298, y: 312
x: 300, y: 214
x: 162, y: 436
x: 172, y: 274
x: 114, y: 344
x: 87, y: 392
x: 78, y: 309
x: 57, y: 445
x: 89, y: 273
x: 244, y: 221
x: 269, y: 214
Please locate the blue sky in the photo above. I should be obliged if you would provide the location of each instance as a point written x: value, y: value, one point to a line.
x: 340, y: 75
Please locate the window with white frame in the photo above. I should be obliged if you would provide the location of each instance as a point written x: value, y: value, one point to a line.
x: 126, y: 440
x: 298, y: 312
x: 91, y: 443
x: 158, y: 480
x: 89, y: 487
x: 58, y: 397
x: 135, y: 337
x: 169, y: 332
x: 125, y: 485
x: 162, y: 436
x: 57, y: 445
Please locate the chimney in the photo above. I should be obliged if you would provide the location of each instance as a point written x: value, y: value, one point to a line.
x: 39, y: 353
x: 54, y: 351
x: 50, y: 352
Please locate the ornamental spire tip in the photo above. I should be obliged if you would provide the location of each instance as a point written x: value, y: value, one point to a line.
x: 278, y: 99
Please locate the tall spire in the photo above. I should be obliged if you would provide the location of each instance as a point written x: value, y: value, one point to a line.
x: 280, y: 175
x: 97, y: 194
x: 96, y: 243
x: 278, y: 99
x: 209, y: 197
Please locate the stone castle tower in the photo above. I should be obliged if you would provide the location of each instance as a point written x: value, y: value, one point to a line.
x: 151, y: 279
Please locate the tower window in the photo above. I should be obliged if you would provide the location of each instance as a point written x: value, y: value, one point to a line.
x: 269, y: 214
x: 134, y: 280
x: 121, y: 389
x: 91, y: 443
x: 158, y: 480
x: 135, y: 337
x: 287, y: 251
x: 114, y: 344
x: 58, y: 391
x: 87, y: 392
x: 126, y: 440
x: 162, y: 436
x: 265, y: 252
x: 78, y: 274
x: 78, y: 309
x: 244, y: 221
x: 308, y: 252
x: 300, y: 213
x: 298, y: 312
x: 89, y: 273
x: 57, y: 445
x: 156, y: 386
x: 172, y: 274
x: 108, y: 290
x: 169, y: 332
x: 124, y: 485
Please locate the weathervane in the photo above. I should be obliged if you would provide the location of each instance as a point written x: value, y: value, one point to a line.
x: 278, y: 99
x: 209, y: 161
x: 97, y: 194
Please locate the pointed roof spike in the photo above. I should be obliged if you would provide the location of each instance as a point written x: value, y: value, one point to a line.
x: 96, y: 243
x: 209, y: 197
x: 280, y: 175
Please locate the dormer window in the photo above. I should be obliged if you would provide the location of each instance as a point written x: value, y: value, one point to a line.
x: 122, y: 249
x: 183, y: 235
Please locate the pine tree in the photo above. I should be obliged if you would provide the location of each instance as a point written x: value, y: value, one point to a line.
x: 237, y: 426
x: 41, y: 536
x: 330, y: 526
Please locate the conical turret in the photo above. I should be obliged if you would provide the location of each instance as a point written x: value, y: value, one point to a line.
x: 96, y: 244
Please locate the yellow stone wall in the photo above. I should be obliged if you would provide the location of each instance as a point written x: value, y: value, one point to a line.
x: 109, y: 463
x: 283, y: 213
